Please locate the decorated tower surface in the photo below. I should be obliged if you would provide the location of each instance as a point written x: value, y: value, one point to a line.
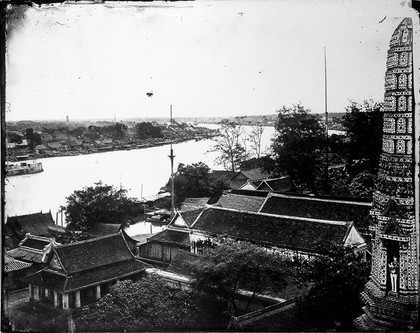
x: 391, y: 296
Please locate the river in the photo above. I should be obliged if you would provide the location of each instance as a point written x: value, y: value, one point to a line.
x: 142, y: 172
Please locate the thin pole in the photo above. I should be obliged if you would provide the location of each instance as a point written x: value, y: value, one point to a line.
x: 171, y: 156
x: 326, y: 122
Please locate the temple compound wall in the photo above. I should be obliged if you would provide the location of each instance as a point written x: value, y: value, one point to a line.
x: 391, y: 296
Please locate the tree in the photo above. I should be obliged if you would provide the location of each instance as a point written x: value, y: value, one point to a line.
x: 298, y: 145
x: 194, y: 181
x: 363, y: 123
x: 146, y: 130
x: 232, y: 266
x: 33, y: 138
x: 338, y: 280
x: 99, y: 204
x: 14, y: 137
x: 255, y: 137
x: 230, y: 144
x: 148, y: 305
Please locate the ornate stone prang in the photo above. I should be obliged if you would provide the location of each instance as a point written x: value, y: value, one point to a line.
x: 394, y: 253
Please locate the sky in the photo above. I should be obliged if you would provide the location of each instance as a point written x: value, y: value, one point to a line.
x: 206, y: 58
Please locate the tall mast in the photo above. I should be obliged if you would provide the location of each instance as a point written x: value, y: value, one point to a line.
x: 326, y: 123
x: 171, y: 156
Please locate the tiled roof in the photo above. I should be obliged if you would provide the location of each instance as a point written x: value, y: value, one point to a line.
x: 282, y: 184
x: 12, y: 264
x: 190, y: 216
x: 180, y: 264
x: 19, y: 253
x: 172, y: 237
x: 35, y: 224
x: 316, y: 208
x: 104, y: 273
x: 93, y: 253
x: 102, y: 229
x: 193, y: 203
x: 48, y: 280
x: 255, y: 174
x: 34, y: 243
x: 240, y: 202
x: 298, y: 234
x: 252, y: 193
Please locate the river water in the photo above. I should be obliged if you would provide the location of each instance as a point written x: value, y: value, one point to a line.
x: 142, y: 172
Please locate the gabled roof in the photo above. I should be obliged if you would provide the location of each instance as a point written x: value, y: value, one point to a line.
x: 193, y: 203
x: 281, y: 184
x: 35, y: 224
x: 102, y: 229
x: 180, y: 264
x: 317, y: 208
x: 170, y: 236
x: 92, y: 253
x: 240, y: 202
x: 190, y: 216
x: 253, y: 174
x: 306, y: 235
x: 30, y: 249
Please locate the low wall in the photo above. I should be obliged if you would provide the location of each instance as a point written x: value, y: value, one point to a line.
x: 237, y: 323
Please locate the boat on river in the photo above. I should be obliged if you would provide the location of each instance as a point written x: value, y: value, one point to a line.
x: 23, y: 168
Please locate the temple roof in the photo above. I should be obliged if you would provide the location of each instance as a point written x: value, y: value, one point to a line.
x: 88, y: 263
x: 11, y: 264
x: 316, y: 208
x: 30, y: 249
x: 190, y: 216
x: 307, y: 235
x: 92, y: 253
x: 240, y: 202
x: 17, y: 227
x: 172, y: 237
x: 180, y: 264
x: 193, y: 203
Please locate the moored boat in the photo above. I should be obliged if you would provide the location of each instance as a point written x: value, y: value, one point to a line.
x: 23, y: 168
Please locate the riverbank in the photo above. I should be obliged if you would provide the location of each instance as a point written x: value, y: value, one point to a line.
x: 86, y: 150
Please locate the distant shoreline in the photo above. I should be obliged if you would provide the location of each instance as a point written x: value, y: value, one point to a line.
x: 98, y: 151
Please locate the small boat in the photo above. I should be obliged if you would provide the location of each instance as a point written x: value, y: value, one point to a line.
x: 23, y: 168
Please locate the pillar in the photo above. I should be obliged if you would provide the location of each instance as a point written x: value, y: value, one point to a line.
x: 66, y: 301
x: 46, y: 293
x: 31, y: 292
x: 37, y: 291
x: 98, y: 291
x: 78, y: 302
x: 55, y: 299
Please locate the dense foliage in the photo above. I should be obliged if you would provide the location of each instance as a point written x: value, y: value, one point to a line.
x: 298, y: 145
x: 363, y: 124
x: 334, y: 300
x: 194, y: 181
x: 33, y: 138
x: 150, y: 305
x: 99, y: 204
x: 146, y: 130
x: 231, y: 266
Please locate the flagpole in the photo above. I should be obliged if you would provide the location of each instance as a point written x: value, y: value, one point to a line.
x: 171, y: 156
x: 326, y: 123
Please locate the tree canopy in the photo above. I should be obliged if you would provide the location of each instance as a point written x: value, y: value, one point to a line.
x: 99, y: 204
x: 150, y: 305
x: 363, y: 124
x: 298, y: 145
x: 231, y: 145
x: 334, y: 300
x: 194, y: 181
x: 231, y: 266
x: 146, y: 130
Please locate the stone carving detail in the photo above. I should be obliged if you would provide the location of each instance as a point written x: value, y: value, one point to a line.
x: 394, y: 282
